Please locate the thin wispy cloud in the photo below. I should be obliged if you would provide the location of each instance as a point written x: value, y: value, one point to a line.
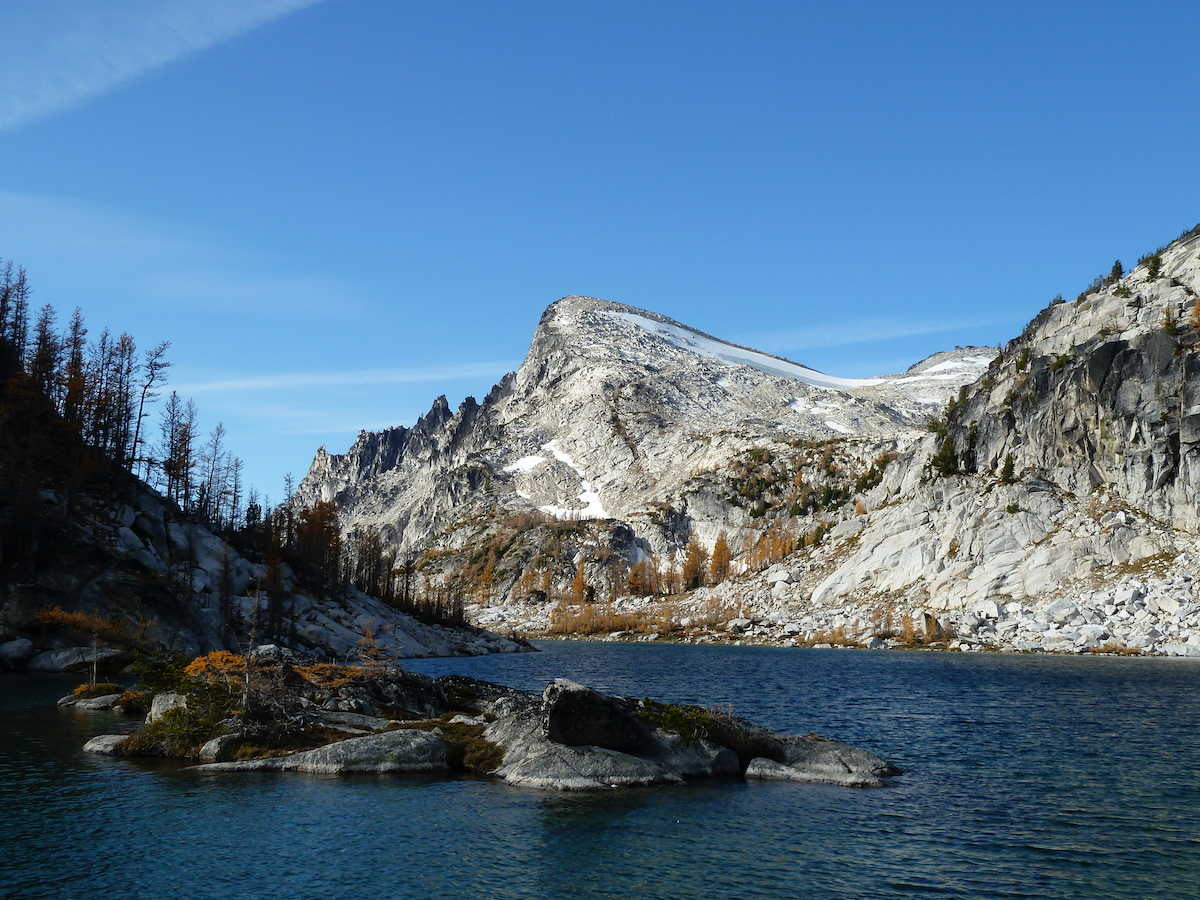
x: 294, y: 380
x: 863, y: 331
x: 80, y: 244
x: 55, y: 54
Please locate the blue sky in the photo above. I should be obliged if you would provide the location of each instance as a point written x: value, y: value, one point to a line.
x: 338, y: 210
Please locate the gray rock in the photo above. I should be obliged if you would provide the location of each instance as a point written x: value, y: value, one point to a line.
x: 76, y: 659
x: 691, y: 759
x: 14, y: 653
x: 217, y: 749
x: 532, y: 760
x: 1126, y: 594
x: 875, y: 643
x: 988, y: 609
x: 1061, y: 611
x: 127, y: 540
x: 1182, y: 650
x: 107, y: 744
x: 810, y: 759
x: 353, y: 719
x: 108, y: 701
x: 404, y: 750
x: 846, y: 529
x: 162, y: 703
x: 148, y: 560
x: 577, y: 715
x: 562, y: 768
x: 1094, y: 633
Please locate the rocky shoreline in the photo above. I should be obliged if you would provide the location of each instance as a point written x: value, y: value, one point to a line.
x: 1147, y: 614
x: 570, y: 738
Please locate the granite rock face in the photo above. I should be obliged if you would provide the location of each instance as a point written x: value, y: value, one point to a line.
x: 574, y: 714
x: 14, y: 653
x: 813, y: 760
x: 1066, y: 467
x: 389, y: 752
x: 610, y: 413
x: 1103, y: 393
x: 533, y: 759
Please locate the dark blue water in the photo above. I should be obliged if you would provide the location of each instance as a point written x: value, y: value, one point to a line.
x: 1025, y: 777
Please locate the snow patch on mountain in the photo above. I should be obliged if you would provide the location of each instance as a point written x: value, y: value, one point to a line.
x: 686, y: 339
x: 525, y: 464
x: 590, y: 498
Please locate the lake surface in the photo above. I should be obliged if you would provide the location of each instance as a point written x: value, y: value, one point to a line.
x: 1025, y: 776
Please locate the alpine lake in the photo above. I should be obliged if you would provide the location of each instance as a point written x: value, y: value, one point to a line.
x: 1024, y: 776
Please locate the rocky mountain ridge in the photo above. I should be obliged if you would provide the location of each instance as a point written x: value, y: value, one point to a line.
x: 1063, y: 469
x: 611, y: 413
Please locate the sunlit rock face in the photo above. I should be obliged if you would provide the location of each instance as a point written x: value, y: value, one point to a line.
x: 612, y: 412
x: 1063, y: 468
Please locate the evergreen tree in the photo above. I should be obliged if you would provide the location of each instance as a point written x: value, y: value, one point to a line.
x: 1006, y: 471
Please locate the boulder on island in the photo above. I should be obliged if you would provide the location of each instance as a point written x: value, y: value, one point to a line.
x: 574, y: 714
x: 107, y: 744
x: 392, y: 751
x: 814, y: 759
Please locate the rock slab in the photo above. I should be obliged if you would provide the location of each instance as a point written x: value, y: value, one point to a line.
x: 392, y: 751
x: 576, y: 715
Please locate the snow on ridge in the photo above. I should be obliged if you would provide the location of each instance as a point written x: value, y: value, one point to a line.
x: 525, y: 464
x: 686, y: 339
x: 966, y: 362
x: 593, y: 509
x: 950, y: 370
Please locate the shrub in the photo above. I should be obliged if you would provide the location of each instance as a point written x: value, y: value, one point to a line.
x: 689, y: 722
x: 103, y: 689
x: 177, y: 733
x: 467, y: 750
x: 945, y: 461
x: 1013, y: 508
x: 1153, y: 264
x: 159, y: 673
x: 1170, y: 324
x: 1060, y: 360
x: 693, y: 723
x: 134, y: 703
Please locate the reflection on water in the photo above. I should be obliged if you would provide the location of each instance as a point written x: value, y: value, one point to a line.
x: 1024, y: 776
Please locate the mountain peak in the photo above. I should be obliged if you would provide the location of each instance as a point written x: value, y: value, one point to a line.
x: 612, y: 410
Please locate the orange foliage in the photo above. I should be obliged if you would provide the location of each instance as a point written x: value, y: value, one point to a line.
x: 220, y: 665
x: 111, y: 629
x: 330, y: 675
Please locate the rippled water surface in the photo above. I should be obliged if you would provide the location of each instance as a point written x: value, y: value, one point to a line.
x: 1025, y: 776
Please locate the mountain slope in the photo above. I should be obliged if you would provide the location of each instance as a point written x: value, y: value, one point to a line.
x: 1052, y: 505
x: 612, y: 412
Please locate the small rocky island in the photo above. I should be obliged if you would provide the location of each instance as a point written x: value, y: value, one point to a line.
x: 297, y: 716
